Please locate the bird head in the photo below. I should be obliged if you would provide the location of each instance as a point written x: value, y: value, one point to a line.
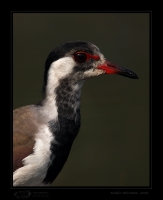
x: 80, y: 60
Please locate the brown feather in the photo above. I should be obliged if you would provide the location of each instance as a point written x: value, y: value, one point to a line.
x: 24, y: 129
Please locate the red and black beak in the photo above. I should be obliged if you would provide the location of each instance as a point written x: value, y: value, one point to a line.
x: 111, y: 68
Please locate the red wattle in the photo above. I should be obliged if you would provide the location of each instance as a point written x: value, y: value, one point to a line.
x: 107, y: 69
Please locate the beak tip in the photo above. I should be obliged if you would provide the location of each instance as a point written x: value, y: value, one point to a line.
x: 134, y: 76
x: 129, y: 74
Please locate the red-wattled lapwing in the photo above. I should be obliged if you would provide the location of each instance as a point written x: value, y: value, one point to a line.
x: 43, y: 133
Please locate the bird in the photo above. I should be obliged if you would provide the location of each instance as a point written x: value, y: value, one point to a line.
x: 43, y: 133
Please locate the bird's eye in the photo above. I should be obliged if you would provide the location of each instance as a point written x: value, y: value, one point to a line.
x: 80, y: 57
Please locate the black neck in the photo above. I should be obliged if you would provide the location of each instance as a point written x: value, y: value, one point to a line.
x: 68, y: 105
x: 65, y: 128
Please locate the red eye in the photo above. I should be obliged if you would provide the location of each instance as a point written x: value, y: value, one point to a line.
x: 80, y: 57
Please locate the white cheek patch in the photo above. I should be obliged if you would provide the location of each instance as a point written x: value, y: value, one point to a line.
x: 93, y: 72
x: 58, y: 70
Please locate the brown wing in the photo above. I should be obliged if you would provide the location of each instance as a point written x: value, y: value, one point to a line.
x: 24, y: 129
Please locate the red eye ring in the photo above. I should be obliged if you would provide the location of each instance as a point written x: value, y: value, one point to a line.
x: 81, y: 56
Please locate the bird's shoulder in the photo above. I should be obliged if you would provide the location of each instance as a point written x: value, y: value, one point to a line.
x: 24, y: 129
x: 25, y: 121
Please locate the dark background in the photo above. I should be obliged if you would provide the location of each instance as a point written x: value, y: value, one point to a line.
x: 112, y: 147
